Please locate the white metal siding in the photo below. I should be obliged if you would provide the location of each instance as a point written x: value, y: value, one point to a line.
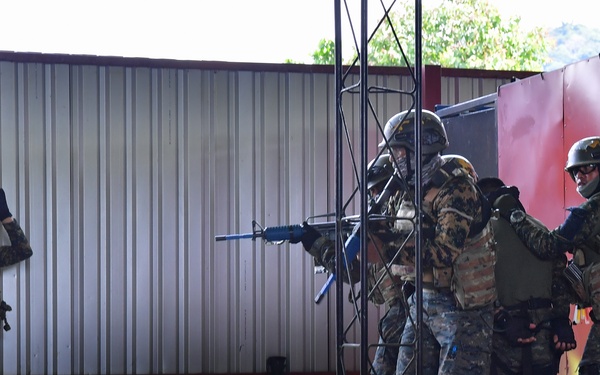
x: 122, y: 176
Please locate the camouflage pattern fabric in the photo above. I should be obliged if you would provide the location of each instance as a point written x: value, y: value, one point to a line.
x: 521, y: 276
x: 391, y: 327
x: 20, y: 248
x: 448, y: 219
x: 591, y: 352
x: 579, y: 231
x: 383, y: 287
x: 568, y: 236
x: 455, y: 341
x: 542, y: 350
x: 387, y: 291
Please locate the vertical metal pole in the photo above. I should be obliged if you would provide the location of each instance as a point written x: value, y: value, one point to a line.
x: 339, y: 312
x: 418, y: 189
x: 364, y: 97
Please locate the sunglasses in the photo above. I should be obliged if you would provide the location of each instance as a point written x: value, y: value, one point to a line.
x: 583, y: 169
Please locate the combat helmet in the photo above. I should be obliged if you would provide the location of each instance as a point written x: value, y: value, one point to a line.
x: 459, y: 165
x: 399, y: 131
x: 585, y: 152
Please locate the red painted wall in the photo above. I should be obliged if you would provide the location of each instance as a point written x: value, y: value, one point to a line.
x: 539, y: 118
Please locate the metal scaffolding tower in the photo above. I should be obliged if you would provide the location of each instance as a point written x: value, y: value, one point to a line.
x: 345, y: 86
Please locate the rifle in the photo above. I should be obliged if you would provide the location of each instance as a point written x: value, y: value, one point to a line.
x: 282, y: 233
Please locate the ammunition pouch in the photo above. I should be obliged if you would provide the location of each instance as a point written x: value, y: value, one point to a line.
x: 388, y: 289
x: 574, y: 276
x: 473, y: 281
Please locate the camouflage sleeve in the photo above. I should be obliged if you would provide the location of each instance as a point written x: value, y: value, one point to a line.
x: 579, y: 225
x: 20, y: 248
x: 323, y: 251
x: 455, y: 207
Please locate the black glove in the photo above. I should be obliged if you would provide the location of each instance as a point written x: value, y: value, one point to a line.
x: 517, y: 327
x: 563, y: 330
x: 507, y: 202
x: 309, y: 237
x: 4, y: 211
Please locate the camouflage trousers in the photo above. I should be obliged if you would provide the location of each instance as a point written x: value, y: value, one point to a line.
x: 507, y: 359
x: 390, y: 332
x: 457, y: 342
x: 591, y: 353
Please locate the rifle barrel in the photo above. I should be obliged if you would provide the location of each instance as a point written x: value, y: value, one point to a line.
x: 227, y: 237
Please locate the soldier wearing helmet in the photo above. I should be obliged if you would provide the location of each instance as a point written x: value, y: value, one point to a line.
x: 579, y: 234
x: 385, y: 288
x: 399, y: 134
x: 532, y: 326
x: 457, y: 301
x: 390, y: 289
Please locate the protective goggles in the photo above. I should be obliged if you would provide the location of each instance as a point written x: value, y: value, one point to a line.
x: 428, y: 138
x: 583, y: 169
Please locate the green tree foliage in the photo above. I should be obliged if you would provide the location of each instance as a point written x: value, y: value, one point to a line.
x: 455, y: 34
x: 325, y: 54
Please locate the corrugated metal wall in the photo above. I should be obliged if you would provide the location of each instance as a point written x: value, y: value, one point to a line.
x: 121, y: 176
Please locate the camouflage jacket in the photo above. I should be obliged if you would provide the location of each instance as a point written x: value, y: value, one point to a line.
x: 19, y: 248
x: 579, y: 230
x: 448, y: 214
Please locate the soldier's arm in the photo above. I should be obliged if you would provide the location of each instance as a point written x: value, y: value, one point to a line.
x: 577, y: 227
x: 19, y: 248
x: 456, y: 207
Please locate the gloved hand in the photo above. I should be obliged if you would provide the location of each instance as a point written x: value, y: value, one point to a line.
x: 4, y: 211
x: 309, y: 237
x: 507, y: 202
x: 519, y: 330
x: 513, y: 191
x: 564, y: 337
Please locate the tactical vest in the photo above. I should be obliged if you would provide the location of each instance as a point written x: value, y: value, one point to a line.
x: 520, y: 275
x: 389, y: 288
x: 472, y: 278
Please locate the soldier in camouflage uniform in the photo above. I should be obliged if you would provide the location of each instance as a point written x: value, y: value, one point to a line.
x: 533, y: 298
x: 14, y: 246
x: 384, y: 287
x: 579, y: 234
x: 458, y: 253
x: 390, y: 290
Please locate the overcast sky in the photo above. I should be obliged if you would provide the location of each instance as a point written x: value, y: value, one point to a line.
x: 223, y: 30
